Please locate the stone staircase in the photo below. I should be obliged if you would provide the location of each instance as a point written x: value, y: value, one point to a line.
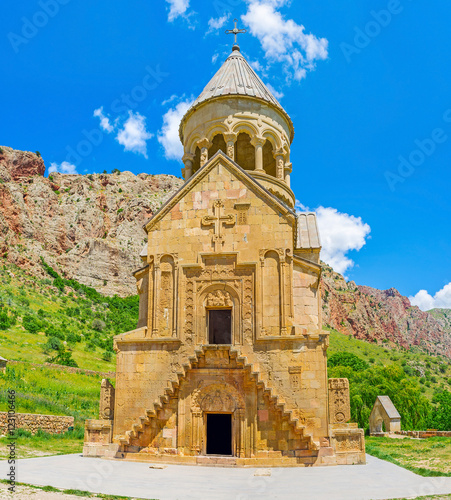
x: 244, y: 362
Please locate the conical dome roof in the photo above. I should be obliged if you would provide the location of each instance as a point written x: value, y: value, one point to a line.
x: 237, y: 78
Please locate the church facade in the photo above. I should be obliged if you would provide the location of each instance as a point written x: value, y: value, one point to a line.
x: 228, y: 364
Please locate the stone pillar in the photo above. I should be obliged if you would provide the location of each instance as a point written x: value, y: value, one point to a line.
x: 288, y: 169
x: 279, y: 156
x: 106, y: 406
x: 196, y: 431
x: 230, y: 139
x: 258, y: 143
x: 204, y: 145
x: 283, y: 326
x: 188, y: 159
x: 241, y: 432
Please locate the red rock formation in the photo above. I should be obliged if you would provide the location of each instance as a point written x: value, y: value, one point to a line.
x: 383, y: 316
x: 16, y: 165
x: 89, y: 227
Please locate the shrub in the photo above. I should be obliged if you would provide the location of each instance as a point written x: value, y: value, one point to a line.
x: 64, y: 358
x: 98, y: 325
x: 53, y: 343
x: 107, y: 356
x: 31, y: 324
x: 347, y: 359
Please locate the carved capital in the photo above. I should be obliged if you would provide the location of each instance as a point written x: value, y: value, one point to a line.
x: 258, y: 141
x: 188, y: 159
x: 288, y: 168
x: 230, y: 137
x: 204, y: 144
x: 279, y: 153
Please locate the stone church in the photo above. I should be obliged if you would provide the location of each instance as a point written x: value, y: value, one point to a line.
x: 228, y: 364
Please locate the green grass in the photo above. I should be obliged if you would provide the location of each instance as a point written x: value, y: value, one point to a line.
x: 427, y: 457
x: 50, y: 391
x: 44, y: 444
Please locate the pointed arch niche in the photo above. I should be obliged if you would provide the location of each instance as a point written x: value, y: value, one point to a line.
x: 166, y: 297
x: 245, y: 152
x: 270, y: 293
x: 218, y: 144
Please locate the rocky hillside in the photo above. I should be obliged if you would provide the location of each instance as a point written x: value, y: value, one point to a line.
x: 384, y: 316
x: 89, y: 227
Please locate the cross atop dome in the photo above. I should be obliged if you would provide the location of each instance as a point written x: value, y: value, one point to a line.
x: 235, y: 32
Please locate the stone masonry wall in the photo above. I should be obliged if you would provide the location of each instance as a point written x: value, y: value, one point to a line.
x: 52, y: 424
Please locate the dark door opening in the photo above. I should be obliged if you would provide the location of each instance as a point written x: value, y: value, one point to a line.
x: 219, y: 434
x: 220, y: 326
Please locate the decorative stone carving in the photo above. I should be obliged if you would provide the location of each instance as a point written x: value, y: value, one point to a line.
x: 221, y: 398
x: 295, y: 376
x: 217, y: 220
x: 339, y: 403
x: 106, y: 407
x: 219, y: 298
x: 348, y: 442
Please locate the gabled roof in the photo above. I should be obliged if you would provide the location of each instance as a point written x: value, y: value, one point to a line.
x: 237, y: 78
x: 307, y: 235
x: 388, y: 406
x: 203, y: 171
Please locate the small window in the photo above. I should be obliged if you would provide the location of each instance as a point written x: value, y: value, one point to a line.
x: 220, y: 326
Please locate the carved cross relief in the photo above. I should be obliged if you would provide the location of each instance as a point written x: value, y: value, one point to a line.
x: 217, y: 220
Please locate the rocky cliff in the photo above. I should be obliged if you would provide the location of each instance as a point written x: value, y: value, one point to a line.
x: 89, y: 227
x: 383, y: 316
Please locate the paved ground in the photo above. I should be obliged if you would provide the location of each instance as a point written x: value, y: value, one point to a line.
x: 376, y: 480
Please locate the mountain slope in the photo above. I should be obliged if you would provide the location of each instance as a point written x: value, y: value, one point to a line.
x: 382, y: 316
x: 89, y: 228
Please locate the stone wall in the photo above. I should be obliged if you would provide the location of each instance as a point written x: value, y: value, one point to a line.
x: 53, y: 424
x: 424, y: 434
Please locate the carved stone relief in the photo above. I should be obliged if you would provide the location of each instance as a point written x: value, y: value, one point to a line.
x: 106, y: 406
x: 339, y: 403
x: 219, y: 298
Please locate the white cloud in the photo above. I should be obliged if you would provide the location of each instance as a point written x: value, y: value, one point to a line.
x: 133, y: 135
x: 425, y: 301
x: 177, y: 8
x: 340, y: 233
x: 104, y: 120
x: 283, y: 40
x: 274, y: 92
x: 64, y: 168
x: 214, y: 58
x: 216, y: 24
x: 168, y: 136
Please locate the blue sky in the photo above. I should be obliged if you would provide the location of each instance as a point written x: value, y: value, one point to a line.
x: 366, y: 84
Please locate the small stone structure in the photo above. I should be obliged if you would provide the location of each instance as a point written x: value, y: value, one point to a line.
x: 384, y: 417
x: 53, y: 424
x: 99, y: 433
x: 346, y: 439
x: 3, y: 363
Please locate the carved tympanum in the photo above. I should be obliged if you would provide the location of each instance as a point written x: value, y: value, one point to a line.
x: 219, y: 298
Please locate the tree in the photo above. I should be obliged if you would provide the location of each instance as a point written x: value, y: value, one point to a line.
x: 347, y: 359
